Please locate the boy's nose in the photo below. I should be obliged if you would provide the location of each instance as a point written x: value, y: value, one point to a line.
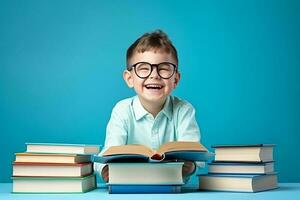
x: 154, y: 73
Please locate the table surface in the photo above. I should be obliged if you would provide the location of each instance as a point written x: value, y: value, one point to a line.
x: 285, y: 191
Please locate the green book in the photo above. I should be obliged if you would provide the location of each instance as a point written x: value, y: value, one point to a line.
x: 53, y: 185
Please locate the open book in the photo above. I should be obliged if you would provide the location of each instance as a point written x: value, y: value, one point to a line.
x: 192, y: 151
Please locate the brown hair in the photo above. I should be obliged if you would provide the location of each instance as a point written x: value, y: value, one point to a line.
x: 157, y: 40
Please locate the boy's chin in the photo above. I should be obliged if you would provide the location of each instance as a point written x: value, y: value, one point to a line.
x: 155, y: 99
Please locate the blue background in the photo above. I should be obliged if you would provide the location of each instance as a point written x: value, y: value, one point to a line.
x: 61, y: 65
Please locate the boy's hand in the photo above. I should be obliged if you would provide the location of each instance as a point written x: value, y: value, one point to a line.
x: 104, y: 173
x: 188, y: 168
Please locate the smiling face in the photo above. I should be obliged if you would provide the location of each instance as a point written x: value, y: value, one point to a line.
x: 153, y: 90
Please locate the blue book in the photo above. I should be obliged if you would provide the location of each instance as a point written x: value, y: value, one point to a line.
x: 188, y: 155
x: 143, y: 189
x: 242, y: 145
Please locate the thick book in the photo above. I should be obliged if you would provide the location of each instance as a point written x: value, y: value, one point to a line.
x: 192, y: 151
x: 238, y: 183
x: 52, y: 169
x: 62, y: 148
x: 53, y: 185
x: 145, y: 173
x: 241, y: 168
x: 244, y: 153
x: 51, y: 158
x: 143, y: 189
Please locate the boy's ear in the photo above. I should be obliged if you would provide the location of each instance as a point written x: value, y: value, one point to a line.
x: 127, y: 76
x: 177, y: 78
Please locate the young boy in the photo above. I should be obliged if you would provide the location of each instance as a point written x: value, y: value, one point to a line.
x: 153, y: 117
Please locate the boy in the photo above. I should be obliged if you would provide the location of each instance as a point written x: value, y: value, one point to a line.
x: 153, y: 117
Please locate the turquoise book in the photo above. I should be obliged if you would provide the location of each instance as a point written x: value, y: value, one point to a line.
x: 148, y: 173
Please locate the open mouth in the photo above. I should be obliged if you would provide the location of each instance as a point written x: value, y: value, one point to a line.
x: 154, y: 86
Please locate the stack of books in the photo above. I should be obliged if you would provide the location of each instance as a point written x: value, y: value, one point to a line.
x: 139, y: 169
x: 54, y: 168
x: 241, y: 168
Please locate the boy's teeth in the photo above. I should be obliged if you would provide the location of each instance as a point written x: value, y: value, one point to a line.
x: 150, y: 86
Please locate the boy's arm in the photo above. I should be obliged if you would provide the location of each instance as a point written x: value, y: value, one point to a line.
x: 116, y: 134
x: 187, y: 127
x: 188, y: 130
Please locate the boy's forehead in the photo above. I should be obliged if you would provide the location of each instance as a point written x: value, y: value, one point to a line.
x: 153, y: 57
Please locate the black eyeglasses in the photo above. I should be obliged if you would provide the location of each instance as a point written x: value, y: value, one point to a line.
x: 143, y: 69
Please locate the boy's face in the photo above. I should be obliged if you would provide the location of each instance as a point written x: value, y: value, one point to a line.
x: 153, y: 89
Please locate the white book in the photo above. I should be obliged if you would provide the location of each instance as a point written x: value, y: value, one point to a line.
x: 244, y: 153
x: 146, y: 173
x: 241, y: 168
x: 62, y: 148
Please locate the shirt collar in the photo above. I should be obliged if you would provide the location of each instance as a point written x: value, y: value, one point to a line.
x: 138, y: 109
x: 140, y: 112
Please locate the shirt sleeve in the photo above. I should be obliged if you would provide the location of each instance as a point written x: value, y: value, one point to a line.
x: 116, y: 133
x: 116, y: 130
x: 187, y: 127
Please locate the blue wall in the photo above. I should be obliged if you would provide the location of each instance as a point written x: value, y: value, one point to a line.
x: 61, y: 66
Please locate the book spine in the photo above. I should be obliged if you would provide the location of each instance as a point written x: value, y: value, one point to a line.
x: 143, y: 189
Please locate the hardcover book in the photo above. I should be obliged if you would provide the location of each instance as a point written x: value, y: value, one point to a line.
x: 244, y: 153
x: 51, y: 158
x: 62, y: 148
x: 145, y: 173
x: 237, y: 183
x: 26, y: 169
x: 53, y: 185
x: 143, y: 189
x: 241, y: 168
x: 192, y: 151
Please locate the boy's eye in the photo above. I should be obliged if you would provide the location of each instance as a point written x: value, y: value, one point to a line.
x: 143, y: 67
x: 164, y: 67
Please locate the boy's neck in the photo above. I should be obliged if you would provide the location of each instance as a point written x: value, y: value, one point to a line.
x: 152, y: 108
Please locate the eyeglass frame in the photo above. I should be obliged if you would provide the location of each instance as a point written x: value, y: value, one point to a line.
x: 129, y: 68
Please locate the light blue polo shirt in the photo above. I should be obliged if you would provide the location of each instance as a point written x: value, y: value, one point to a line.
x: 130, y: 123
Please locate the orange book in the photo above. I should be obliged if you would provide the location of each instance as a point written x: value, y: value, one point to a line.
x: 27, y: 169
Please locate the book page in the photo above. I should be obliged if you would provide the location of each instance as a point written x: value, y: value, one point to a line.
x: 129, y: 149
x: 181, y: 146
